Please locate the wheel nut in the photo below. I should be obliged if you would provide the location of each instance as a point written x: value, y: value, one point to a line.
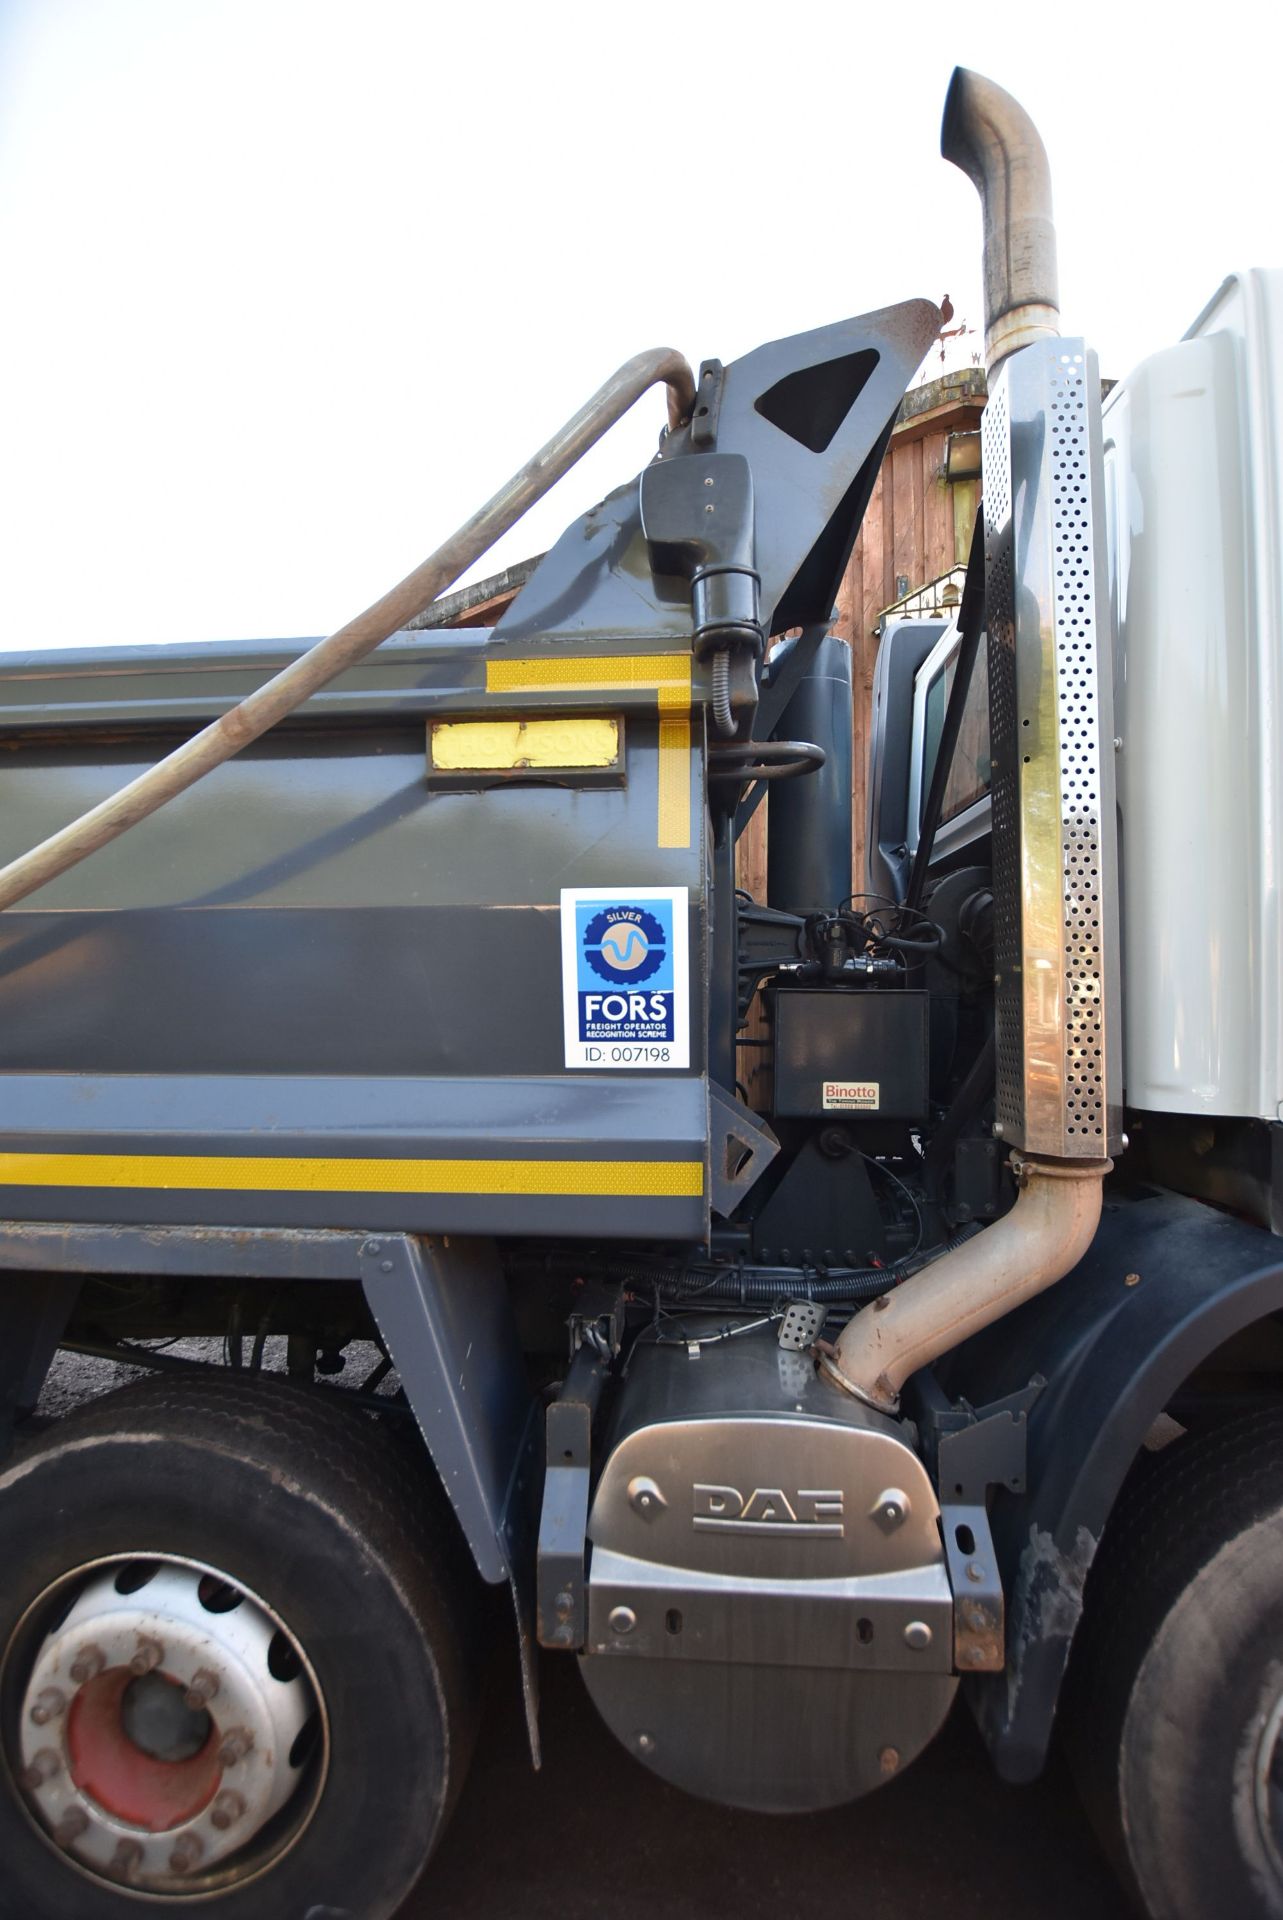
x: 69, y: 1829
x: 49, y: 1703
x: 187, y: 1851
x: 148, y: 1657
x: 202, y: 1689
x: 126, y: 1860
x: 88, y: 1664
x: 43, y: 1767
x: 227, y: 1809
x: 237, y: 1742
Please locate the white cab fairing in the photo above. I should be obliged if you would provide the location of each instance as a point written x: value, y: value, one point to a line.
x: 1194, y: 500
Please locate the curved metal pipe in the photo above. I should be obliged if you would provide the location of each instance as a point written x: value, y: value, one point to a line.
x: 278, y: 697
x: 1046, y: 1233
x: 991, y: 137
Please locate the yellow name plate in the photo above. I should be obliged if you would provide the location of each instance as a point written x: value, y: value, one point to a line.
x: 577, y: 741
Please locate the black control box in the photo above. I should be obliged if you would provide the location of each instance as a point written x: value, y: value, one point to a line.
x: 850, y: 1051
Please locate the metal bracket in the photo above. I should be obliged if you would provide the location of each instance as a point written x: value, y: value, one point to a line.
x: 990, y: 1452
x: 33, y: 1314
x: 766, y: 940
x: 444, y: 1314
x: 978, y: 1166
x: 708, y: 406
x: 597, y: 1318
x: 740, y: 1146
x: 801, y: 1323
x: 979, y: 1619
x: 561, y: 1611
x: 978, y: 1448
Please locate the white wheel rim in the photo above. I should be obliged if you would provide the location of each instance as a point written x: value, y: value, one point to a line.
x: 170, y: 1819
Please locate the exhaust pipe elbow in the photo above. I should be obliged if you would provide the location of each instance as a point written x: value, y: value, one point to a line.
x: 1045, y: 1234
x: 991, y: 137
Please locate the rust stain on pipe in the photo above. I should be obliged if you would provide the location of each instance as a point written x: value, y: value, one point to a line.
x: 1046, y: 1233
x: 993, y: 140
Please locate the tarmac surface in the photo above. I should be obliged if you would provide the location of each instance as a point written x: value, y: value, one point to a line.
x: 594, y: 1834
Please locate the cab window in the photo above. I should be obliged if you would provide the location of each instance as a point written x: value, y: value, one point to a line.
x: 969, y: 774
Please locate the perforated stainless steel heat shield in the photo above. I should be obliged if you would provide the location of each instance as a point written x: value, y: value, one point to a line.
x: 1050, y: 680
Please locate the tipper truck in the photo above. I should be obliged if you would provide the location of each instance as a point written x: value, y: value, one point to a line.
x: 376, y: 1013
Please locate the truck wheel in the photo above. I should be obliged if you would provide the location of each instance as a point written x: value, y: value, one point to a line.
x: 233, y: 1676
x: 1173, y: 1712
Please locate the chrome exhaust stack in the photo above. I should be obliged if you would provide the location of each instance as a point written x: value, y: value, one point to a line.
x: 991, y: 137
x: 1047, y: 616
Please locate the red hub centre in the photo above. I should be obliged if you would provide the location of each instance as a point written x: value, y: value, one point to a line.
x: 125, y: 1781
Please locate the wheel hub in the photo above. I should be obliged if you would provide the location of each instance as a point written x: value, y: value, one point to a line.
x: 155, y: 1716
x: 164, y: 1724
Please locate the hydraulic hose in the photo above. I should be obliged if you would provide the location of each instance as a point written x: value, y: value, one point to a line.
x: 723, y: 718
x: 287, y: 690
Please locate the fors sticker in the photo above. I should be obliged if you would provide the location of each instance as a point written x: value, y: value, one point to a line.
x: 625, y: 977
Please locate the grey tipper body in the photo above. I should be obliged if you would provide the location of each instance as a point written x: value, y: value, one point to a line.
x: 781, y: 1303
x: 315, y: 954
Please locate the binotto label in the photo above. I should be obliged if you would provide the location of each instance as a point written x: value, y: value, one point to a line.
x: 852, y: 1093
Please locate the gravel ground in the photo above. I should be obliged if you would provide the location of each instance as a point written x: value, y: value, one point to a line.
x: 76, y: 1377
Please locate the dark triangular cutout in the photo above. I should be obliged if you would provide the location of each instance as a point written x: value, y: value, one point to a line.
x: 811, y: 404
x: 814, y: 588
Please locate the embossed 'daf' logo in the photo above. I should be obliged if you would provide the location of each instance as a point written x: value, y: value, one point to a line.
x: 812, y: 1511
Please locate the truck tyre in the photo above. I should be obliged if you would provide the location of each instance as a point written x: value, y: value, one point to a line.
x: 1173, y: 1710
x: 234, y: 1672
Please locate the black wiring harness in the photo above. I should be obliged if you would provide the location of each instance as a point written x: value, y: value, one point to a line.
x: 670, y: 1294
x: 879, y: 940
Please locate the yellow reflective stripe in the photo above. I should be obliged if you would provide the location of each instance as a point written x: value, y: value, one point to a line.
x: 658, y: 1179
x: 669, y: 674
x: 675, y: 782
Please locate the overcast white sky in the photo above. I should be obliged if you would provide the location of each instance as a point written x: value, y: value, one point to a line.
x: 292, y: 286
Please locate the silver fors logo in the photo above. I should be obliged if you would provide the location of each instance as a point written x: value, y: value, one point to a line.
x: 812, y: 1511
